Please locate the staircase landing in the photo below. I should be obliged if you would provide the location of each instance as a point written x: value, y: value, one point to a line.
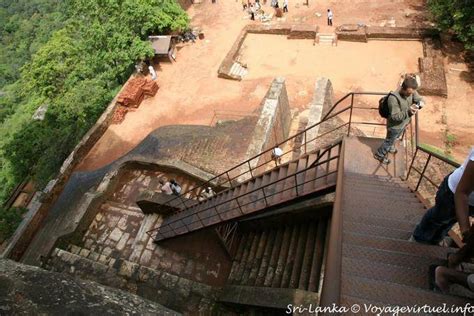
x: 360, y: 160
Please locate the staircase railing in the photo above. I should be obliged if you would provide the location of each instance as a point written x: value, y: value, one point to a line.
x: 341, y: 114
x: 340, y: 120
x: 426, y: 177
x: 224, y: 210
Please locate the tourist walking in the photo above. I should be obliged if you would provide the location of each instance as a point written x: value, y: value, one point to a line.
x: 330, y: 16
x: 401, y: 106
x: 285, y: 5
x: 244, y: 4
x: 252, y: 12
x: 277, y: 152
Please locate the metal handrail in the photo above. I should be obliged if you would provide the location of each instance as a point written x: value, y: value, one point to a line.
x: 253, y: 170
x: 265, y: 195
x: 430, y: 153
x: 230, y: 179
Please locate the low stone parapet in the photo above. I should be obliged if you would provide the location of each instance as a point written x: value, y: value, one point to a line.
x: 352, y: 33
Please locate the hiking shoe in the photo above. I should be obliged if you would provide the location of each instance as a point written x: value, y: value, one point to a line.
x: 446, y: 242
x: 383, y: 160
x: 393, y: 150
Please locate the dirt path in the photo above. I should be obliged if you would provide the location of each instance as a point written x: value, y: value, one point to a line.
x: 190, y: 91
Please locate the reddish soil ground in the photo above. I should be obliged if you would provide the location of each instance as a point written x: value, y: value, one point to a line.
x: 190, y: 91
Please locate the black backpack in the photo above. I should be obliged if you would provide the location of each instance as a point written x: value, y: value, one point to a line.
x: 384, y: 110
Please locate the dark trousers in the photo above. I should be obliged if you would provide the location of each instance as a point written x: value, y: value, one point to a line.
x: 438, y: 220
x: 388, y: 143
x: 329, y: 22
x: 285, y: 8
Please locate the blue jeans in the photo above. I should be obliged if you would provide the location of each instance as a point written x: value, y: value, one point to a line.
x: 392, y: 135
x: 438, y: 220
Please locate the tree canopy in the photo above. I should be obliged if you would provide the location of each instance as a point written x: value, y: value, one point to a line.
x: 457, y: 16
x: 84, y: 52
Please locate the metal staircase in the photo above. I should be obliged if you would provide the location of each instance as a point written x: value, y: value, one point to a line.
x: 260, y: 182
x: 370, y: 258
x: 313, y: 172
x: 376, y: 207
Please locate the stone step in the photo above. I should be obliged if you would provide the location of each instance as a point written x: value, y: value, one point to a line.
x: 284, y: 249
x: 275, y: 253
x: 290, y: 258
x: 318, y: 257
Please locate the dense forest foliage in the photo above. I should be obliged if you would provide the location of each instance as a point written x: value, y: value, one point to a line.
x: 71, y: 56
x: 456, y: 16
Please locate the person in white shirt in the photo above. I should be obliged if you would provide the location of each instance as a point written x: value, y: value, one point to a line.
x: 152, y: 72
x: 285, y: 5
x: 454, y: 201
x: 277, y: 152
x: 330, y: 16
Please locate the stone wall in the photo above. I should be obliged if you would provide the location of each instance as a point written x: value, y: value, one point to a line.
x: 292, y: 31
x: 70, y: 223
x: 379, y: 32
x: 273, y: 125
x: 356, y: 33
x: 352, y: 33
x: 177, y: 293
x: 432, y: 73
x: 322, y: 101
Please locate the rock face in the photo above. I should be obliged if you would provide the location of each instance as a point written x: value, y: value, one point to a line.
x: 32, y: 291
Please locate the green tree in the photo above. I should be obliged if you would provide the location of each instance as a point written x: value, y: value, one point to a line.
x: 76, y: 72
x: 457, y: 16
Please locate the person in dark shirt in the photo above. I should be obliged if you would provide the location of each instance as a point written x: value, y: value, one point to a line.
x: 402, y: 104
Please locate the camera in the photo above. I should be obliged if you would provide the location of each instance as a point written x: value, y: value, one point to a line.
x: 419, y: 105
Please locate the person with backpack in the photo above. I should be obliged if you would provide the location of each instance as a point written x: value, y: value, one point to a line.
x: 398, y: 107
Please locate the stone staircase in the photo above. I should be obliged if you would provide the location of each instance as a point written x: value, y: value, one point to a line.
x: 284, y: 256
x: 310, y: 173
x: 326, y: 39
x: 238, y: 71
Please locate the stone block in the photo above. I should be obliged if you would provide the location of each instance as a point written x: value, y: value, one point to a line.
x: 94, y: 256
x: 168, y: 280
x: 75, y: 249
x: 116, y: 234
x: 107, y: 251
x: 127, y: 269
x: 122, y: 242
x: 183, y: 287
x: 84, y: 253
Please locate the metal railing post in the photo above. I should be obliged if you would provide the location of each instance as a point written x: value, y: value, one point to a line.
x: 228, y: 178
x: 240, y: 207
x: 265, y: 197
x: 250, y: 169
x: 305, y: 141
x: 296, y: 185
x: 350, y: 114
x: 423, y: 172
